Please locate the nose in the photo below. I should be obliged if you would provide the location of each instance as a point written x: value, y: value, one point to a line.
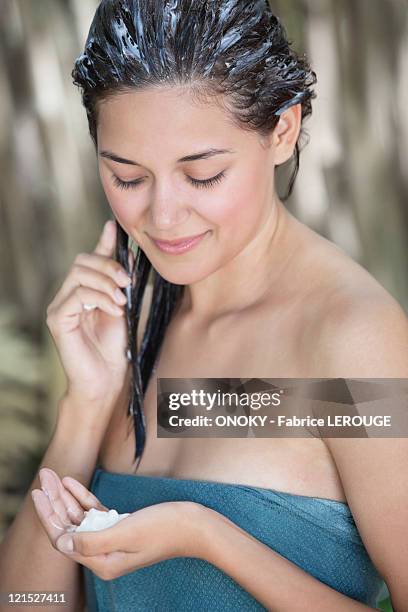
x: 166, y: 209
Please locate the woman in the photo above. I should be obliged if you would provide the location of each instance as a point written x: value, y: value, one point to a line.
x: 192, y: 106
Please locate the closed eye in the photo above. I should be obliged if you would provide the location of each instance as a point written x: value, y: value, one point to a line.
x: 207, y: 183
x: 204, y: 184
x: 126, y: 184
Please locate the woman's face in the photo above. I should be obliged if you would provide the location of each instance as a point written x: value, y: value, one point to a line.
x: 159, y: 195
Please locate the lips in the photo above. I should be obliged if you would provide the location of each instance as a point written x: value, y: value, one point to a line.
x: 178, y: 241
x: 182, y: 245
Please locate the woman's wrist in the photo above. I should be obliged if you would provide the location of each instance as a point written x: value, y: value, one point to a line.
x: 101, y: 398
x: 208, y: 530
x: 75, y: 443
x: 79, y: 419
x: 218, y: 536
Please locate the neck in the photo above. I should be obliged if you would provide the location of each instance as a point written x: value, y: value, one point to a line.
x: 246, y: 279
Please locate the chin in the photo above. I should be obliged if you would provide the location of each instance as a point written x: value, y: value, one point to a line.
x: 182, y: 275
x: 181, y: 278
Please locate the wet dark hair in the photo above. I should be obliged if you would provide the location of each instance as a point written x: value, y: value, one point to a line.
x: 236, y: 51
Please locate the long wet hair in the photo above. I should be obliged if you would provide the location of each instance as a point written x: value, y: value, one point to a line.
x: 234, y: 50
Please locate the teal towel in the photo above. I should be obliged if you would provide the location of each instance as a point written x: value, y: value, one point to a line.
x: 319, y: 535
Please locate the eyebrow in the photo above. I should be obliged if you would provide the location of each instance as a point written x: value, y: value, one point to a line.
x: 194, y: 157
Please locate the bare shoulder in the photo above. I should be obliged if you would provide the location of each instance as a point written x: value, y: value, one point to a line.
x: 359, y: 329
x: 364, y: 334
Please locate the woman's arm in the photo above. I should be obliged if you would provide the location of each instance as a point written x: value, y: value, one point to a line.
x: 364, y: 340
x: 28, y: 562
x: 277, y: 583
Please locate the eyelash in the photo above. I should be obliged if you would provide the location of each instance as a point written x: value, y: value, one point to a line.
x: 206, y: 184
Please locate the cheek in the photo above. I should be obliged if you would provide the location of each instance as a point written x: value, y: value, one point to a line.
x: 235, y: 208
x: 125, y: 206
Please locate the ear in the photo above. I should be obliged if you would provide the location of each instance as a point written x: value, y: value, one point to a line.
x: 286, y: 133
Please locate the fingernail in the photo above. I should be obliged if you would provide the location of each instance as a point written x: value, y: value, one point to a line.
x: 75, y: 512
x: 46, y: 481
x: 34, y: 494
x: 65, y: 544
x: 108, y: 227
x: 46, y: 492
x: 120, y: 297
x: 122, y: 275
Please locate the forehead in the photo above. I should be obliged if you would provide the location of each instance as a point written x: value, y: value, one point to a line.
x: 156, y: 119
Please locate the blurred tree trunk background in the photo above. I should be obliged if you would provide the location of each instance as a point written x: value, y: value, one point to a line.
x: 352, y: 186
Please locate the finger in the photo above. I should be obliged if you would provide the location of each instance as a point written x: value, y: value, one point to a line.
x: 50, y: 488
x: 74, y: 305
x: 103, y: 541
x: 110, y: 267
x: 89, y: 544
x: 47, y: 516
x: 107, y: 240
x: 89, y: 277
x: 87, y: 499
x: 61, y: 499
x: 107, y: 267
x: 107, y: 566
x: 111, y: 565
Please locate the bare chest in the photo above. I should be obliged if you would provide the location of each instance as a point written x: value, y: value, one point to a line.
x: 302, y: 466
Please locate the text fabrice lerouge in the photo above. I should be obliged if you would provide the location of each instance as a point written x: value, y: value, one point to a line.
x: 281, y: 420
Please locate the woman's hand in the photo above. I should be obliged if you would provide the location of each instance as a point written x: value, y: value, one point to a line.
x: 92, y: 343
x: 150, y: 535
